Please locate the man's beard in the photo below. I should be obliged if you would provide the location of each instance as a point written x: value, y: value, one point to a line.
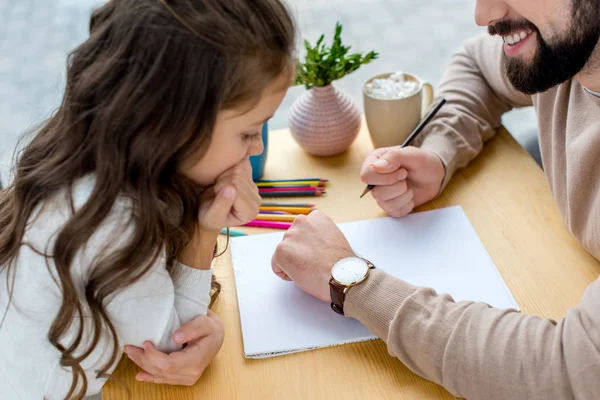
x: 556, y: 62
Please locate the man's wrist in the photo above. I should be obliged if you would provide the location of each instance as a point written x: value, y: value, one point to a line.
x: 326, y: 273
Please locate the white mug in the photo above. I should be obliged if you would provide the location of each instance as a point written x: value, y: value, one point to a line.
x: 390, y: 121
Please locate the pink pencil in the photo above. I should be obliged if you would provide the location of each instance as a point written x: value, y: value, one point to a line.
x: 269, y: 224
x: 290, y: 189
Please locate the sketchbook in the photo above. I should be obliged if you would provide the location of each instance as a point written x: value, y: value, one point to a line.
x: 438, y: 249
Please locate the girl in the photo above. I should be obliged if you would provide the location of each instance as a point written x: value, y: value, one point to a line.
x: 108, y: 229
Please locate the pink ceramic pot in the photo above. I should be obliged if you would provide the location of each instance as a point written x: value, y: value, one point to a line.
x: 324, y: 121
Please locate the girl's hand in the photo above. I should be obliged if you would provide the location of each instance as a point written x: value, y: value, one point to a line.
x: 202, y: 337
x: 232, y: 201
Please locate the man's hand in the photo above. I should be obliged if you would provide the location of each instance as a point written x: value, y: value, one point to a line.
x: 404, y: 178
x: 203, y: 337
x: 308, y: 251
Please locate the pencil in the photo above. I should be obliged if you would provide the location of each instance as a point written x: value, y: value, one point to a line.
x: 283, y: 205
x: 295, y: 193
x: 232, y: 232
x: 414, y: 134
x: 292, y: 180
x: 291, y: 210
x: 320, y: 183
x: 290, y: 189
x: 271, y: 217
x: 269, y: 224
x: 307, y: 182
x: 286, y: 185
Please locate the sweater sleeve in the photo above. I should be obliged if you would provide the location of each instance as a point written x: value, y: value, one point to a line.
x: 478, y: 94
x: 154, y: 307
x: 479, y: 352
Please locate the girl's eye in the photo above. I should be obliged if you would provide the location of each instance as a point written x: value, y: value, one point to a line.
x: 251, y: 136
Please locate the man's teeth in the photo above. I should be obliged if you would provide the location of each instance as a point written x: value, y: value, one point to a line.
x: 516, y: 38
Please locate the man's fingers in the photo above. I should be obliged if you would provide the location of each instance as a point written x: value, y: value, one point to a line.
x: 372, y: 177
x: 283, y: 276
x: 279, y: 272
x: 394, y: 158
x: 388, y: 192
x: 397, y: 207
x: 371, y: 158
x: 404, y: 210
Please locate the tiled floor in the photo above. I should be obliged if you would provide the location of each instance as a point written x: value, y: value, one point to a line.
x: 417, y: 37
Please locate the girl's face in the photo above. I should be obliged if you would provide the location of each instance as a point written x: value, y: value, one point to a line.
x: 237, y: 135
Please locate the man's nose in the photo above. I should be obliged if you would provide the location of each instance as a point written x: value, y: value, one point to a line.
x: 489, y: 11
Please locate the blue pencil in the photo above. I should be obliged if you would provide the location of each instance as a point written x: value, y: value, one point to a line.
x: 232, y: 233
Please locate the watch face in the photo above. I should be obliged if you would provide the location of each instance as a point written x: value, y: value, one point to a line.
x: 349, y: 270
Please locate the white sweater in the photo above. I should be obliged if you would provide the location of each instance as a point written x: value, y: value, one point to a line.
x: 151, y: 309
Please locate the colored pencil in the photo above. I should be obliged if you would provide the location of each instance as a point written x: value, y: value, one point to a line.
x: 290, y: 189
x: 292, y: 210
x: 292, y: 184
x: 269, y: 224
x: 232, y: 232
x: 280, y: 218
x: 305, y: 193
x: 293, y: 180
x: 274, y: 212
x: 283, y: 205
x: 287, y: 185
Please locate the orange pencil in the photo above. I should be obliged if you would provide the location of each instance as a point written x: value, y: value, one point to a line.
x: 293, y: 210
x: 275, y: 217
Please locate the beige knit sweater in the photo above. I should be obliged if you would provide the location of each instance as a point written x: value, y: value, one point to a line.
x: 473, y: 350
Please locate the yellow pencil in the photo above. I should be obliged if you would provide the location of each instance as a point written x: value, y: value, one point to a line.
x: 292, y: 210
x: 276, y: 217
x: 297, y: 183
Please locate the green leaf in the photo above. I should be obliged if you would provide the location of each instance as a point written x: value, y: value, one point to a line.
x: 324, y: 64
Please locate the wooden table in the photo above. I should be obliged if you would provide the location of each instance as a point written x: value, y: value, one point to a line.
x: 505, y: 195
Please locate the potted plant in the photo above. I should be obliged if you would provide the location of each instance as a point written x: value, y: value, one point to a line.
x: 323, y: 120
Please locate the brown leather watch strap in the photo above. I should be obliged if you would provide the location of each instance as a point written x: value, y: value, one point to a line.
x: 338, y: 294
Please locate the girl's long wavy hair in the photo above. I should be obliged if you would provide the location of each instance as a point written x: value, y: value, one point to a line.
x: 142, y: 96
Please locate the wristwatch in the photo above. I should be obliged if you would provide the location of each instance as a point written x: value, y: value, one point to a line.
x: 346, y: 273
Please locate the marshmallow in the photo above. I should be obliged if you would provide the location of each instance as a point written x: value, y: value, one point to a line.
x: 393, y: 87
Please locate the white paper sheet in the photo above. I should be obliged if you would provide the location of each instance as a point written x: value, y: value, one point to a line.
x: 438, y: 249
